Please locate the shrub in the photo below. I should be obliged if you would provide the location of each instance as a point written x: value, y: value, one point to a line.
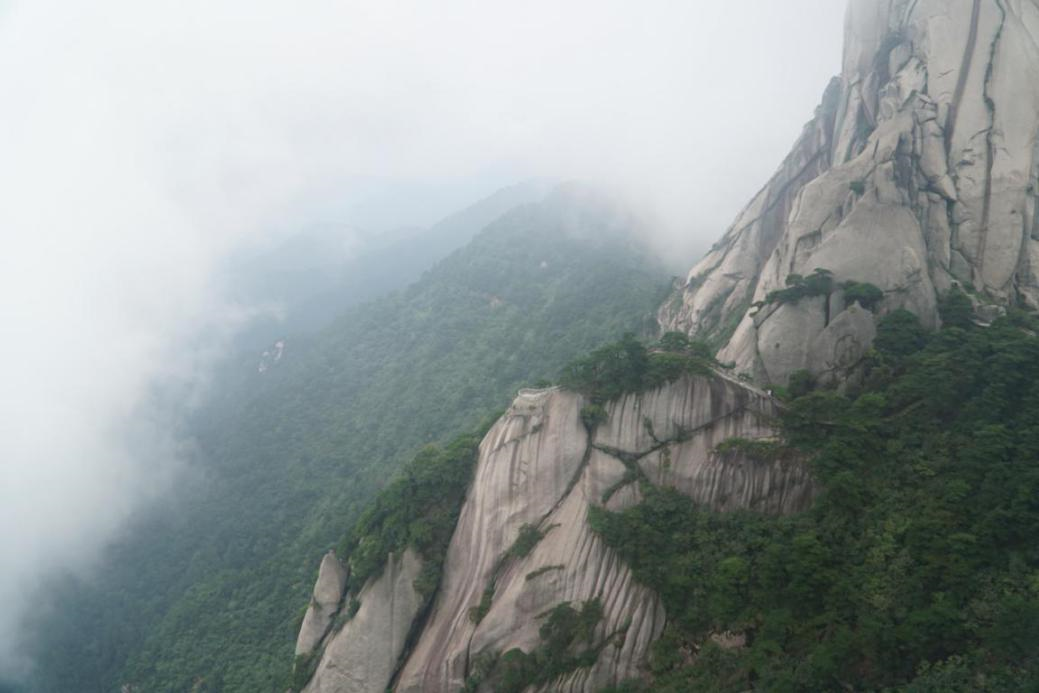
x: 867, y: 295
x: 418, y: 509
x: 592, y: 415
x: 627, y: 366
x: 801, y: 382
x: 899, y: 334
x: 755, y: 449
x: 818, y: 283
x: 913, y: 569
x: 609, y: 371
x: 680, y: 343
x: 526, y: 540
x: 955, y: 309
x: 565, y: 646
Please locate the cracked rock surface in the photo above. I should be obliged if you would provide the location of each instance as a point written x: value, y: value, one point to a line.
x: 363, y: 655
x: 539, y: 466
x: 920, y: 169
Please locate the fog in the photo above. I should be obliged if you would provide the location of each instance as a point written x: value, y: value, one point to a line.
x: 143, y: 143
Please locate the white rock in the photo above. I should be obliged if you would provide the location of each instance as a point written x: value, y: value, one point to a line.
x: 931, y: 100
x: 363, y: 656
x: 328, y: 593
x: 536, y: 467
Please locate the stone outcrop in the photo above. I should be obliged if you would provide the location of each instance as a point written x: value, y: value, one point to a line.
x: 538, y: 466
x: 919, y: 171
x: 328, y: 593
x: 364, y: 654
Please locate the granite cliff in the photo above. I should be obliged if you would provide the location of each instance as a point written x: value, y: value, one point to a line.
x: 918, y: 174
x: 540, y: 468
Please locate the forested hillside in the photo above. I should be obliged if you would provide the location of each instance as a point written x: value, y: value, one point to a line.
x: 915, y: 570
x: 207, y: 594
x: 317, y: 274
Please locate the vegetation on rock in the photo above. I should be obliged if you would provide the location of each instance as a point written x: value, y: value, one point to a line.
x: 628, y: 366
x: 865, y: 294
x: 915, y: 570
x: 818, y: 283
x: 566, y: 645
x: 419, y: 509
x: 207, y: 595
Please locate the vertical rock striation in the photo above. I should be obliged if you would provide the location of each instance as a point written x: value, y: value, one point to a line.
x: 363, y: 655
x: 328, y: 593
x: 539, y: 467
x: 919, y: 171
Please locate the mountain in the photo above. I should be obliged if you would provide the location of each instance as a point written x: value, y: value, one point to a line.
x: 538, y: 472
x: 206, y: 594
x: 822, y: 476
x: 917, y: 174
x: 315, y: 275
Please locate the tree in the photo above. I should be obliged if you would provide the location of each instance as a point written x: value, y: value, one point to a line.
x: 865, y: 294
x: 899, y: 334
x: 956, y: 309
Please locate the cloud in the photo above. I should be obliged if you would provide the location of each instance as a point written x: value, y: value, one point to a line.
x: 144, y: 142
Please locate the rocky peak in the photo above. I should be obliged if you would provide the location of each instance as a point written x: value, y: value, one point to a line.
x: 917, y: 173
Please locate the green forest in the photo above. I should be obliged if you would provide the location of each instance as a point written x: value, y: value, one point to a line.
x: 207, y: 593
x: 915, y: 570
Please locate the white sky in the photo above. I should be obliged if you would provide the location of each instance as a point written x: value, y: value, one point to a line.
x: 141, y: 142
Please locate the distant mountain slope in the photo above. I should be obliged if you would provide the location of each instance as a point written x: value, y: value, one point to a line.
x: 317, y: 274
x: 207, y: 596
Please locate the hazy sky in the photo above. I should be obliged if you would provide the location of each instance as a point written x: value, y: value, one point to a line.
x: 141, y: 142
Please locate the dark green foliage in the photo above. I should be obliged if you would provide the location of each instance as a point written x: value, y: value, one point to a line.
x: 916, y: 568
x: 680, y: 343
x: 477, y: 612
x: 818, y: 283
x: 592, y: 415
x: 765, y: 450
x: 630, y: 476
x: 627, y: 366
x: 956, y: 309
x: 418, y: 509
x: 867, y: 295
x: 480, y: 669
x: 801, y: 382
x: 210, y: 588
x: 541, y: 571
x: 899, y: 335
x: 303, y: 668
x: 609, y: 371
x: 565, y: 646
x: 528, y: 538
x: 673, y: 341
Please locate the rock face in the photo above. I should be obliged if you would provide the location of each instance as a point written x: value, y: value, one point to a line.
x: 918, y: 171
x: 363, y: 655
x: 538, y: 466
x: 328, y: 593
